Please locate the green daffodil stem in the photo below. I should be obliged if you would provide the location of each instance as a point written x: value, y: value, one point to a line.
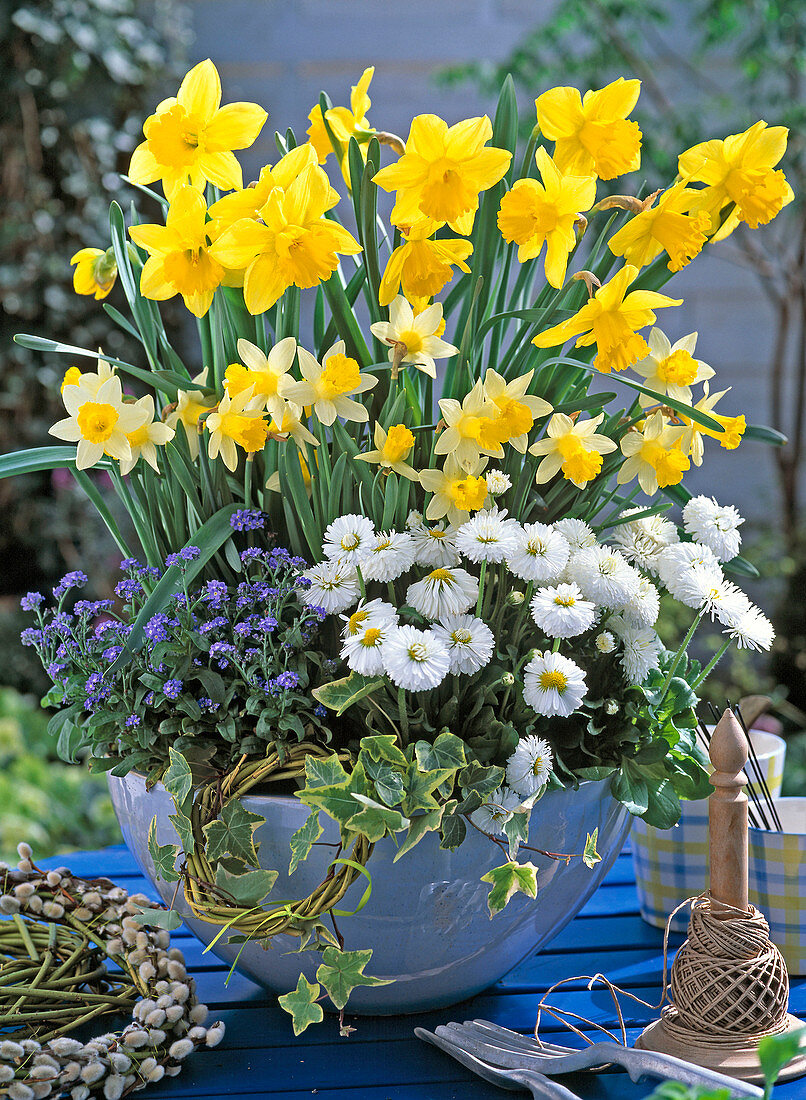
x: 706, y: 672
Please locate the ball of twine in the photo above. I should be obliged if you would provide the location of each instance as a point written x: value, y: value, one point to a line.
x: 729, y: 982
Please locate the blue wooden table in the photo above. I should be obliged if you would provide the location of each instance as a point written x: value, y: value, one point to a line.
x: 382, y: 1060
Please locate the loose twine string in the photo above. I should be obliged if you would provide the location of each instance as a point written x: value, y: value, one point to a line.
x: 728, y: 985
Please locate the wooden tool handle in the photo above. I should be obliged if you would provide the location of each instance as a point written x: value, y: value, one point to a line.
x: 727, y: 815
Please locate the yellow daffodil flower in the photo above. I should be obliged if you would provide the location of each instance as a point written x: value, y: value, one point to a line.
x: 345, y: 122
x: 443, y: 171
x: 456, y: 493
x: 293, y: 245
x: 740, y: 169
x: 573, y: 448
x: 653, y: 455
x: 473, y: 428
x: 666, y: 226
x: 328, y: 386
x: 392, y: 448
x: 99, y: 424
x: 144, y: 440
x: 671, y: 368
x: 290, y: 425
x: 263, y: 375
x: 180, y: 261
x: 247, y: 202
x: 592, y: 133
x: 517, y: 409
x: 417, y: 333
x: 610, y: 319
x: 235, y: 420
x: 95, y: 271
x: 190, y: 406
x: 533, y: 214
x: 421, y: 266
x: 729, y: 438
x: 190, y: 138
x: 89, y: 382
x: 72, y: 377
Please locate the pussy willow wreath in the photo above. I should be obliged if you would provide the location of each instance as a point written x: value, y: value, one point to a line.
x: 62, y: 930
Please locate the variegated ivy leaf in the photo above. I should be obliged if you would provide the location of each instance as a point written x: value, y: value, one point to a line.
x: 383, y: 747
x: 341, y: 694
x: 301, y: 1004
x: 177, y: 779
x: 246, y: 888
x: 151, y: 917
x: 325, y: 772
x: 342, y: 971
x: 422, y: 824
x: 590, y: 857
x: 163, y: 855
x: 511, y: 878
x: 337, y: 799
x: 233, y: 832
x: 420, y: 786
x: 303, y: 839
x: 375, y: 820
x: 448, y: 751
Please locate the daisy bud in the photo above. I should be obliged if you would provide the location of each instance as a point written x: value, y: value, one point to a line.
x: 611, y: 707
x: 507, y: 679
x: 515, y: 598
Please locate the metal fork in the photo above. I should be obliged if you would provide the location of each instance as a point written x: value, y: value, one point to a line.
x: 505, y: 1049
x: 541, y: 1088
